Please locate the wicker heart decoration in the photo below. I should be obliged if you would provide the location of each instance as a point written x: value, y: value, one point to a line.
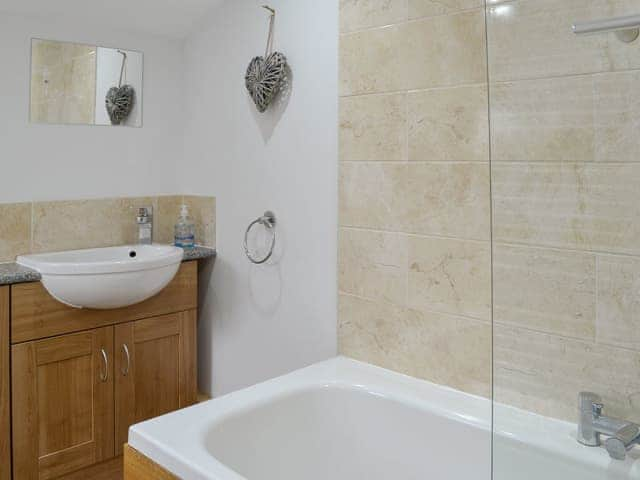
x: 119, y: 102
x: 264, y: 78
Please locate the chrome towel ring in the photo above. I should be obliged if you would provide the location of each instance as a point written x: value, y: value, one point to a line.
x: 268, y: 220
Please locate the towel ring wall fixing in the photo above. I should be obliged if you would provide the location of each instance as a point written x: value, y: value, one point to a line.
x: 268, y: 220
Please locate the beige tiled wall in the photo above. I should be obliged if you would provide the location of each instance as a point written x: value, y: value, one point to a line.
x: 414, y: 252
x: 62, y: 225
x: 565, y: 112
x: 415, y: 255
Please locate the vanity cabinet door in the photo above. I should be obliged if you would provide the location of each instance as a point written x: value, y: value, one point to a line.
x: 5, y: 423
x: 62, y: 393
x: 155, y: 369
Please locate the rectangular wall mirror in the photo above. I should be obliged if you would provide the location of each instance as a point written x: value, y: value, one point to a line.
x: 74, y: 83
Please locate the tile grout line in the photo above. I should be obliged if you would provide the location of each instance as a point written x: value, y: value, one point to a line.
x: 407, y: 155
x: 595, y: 253
x: 411, y: 234
x: 32, y: 226
x: 598, y: 73
x: 408, y: 21
x: 417, y: 309
x: 415, y: 162
x: 592, y: 343
x: 597, y: 299
x: 413, y: 91
x: 502, y: 243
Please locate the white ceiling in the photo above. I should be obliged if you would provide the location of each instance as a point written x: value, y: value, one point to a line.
x: 169, y: 18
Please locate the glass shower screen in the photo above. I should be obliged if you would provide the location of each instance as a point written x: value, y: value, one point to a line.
x: 564, y: 113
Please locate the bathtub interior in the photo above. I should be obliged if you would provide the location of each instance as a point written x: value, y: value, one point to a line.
x: 342, y: 419
x: 345, y: 433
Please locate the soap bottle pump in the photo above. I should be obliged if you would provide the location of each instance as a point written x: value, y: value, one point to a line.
x: 185, y: 229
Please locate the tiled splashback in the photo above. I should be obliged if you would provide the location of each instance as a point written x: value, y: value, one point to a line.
x: 61, y: 225
x: 414, y: 250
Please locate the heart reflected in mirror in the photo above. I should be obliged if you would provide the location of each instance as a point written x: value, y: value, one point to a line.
x: 119, y: 103
x: 264, y: 78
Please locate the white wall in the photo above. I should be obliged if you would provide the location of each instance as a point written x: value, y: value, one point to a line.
x: 258, y: 322
x: 41, y: 162
x: 202, y: 135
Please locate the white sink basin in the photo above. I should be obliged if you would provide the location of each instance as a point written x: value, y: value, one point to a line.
x: 104, y: 278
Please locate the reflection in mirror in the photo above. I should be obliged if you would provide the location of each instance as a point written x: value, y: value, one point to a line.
x: 84, y: 84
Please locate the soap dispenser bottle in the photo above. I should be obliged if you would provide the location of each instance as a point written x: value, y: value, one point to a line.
x: 185, y: 229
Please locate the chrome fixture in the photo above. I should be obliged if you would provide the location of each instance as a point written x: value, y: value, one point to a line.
x: 592, y: 424
x: 268, y: 220
x: 125, y: 369
x: 626, y: 28
x: 144, y: 220
x: 104, y: 374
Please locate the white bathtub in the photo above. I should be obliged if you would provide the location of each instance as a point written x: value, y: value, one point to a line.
x: 343, y: 419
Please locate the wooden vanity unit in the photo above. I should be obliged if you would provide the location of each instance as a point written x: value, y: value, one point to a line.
x: 5, y: 412
x: 79, y: 378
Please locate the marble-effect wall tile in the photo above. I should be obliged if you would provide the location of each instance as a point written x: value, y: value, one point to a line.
x: 543, y: 373
x: 373, y: 61
x: 373, y: 265
x: 564, y: 116
x: 617, y: 116
x: 359, y: 14
x: 15, y: 230
x: 449, y: 124
x: 543, y: 120
x: 446, y: 50
x: 63, y: 82
x: 618, y: 319
x: 448, y: 199
x: 93, y: 223
x: 450, y: 276
x: 533, y: 39
x: 450, y: 350
x: 373, y: 127
x: 414, y: 154
x: 75, y: 224
x: 585, y: 206
x: 372, y: 332
x: 166, y: 216
x: 552, y: 291
x: 440, y: 348
x: 427, y: 8
x: 373, y: 195
x: 415, y: 183
x: 203, y: 212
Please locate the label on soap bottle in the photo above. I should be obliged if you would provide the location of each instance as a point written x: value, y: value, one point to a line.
x: 185, y: 241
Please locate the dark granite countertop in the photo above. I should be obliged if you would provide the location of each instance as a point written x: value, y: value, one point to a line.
x: 12, y: 273
x: 198, y: 253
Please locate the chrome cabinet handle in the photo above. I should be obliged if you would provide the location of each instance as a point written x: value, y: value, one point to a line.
x: 125, y: 369
x: 104, y: 375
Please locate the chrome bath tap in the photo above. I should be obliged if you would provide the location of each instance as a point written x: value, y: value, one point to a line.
x: 592, y: 424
